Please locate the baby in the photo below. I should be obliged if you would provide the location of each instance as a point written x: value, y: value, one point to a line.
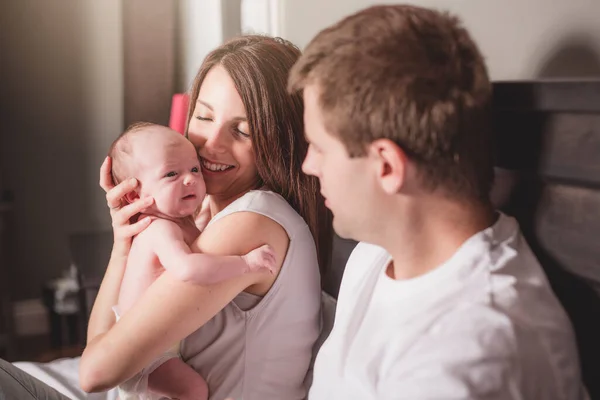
x: 167, y: 168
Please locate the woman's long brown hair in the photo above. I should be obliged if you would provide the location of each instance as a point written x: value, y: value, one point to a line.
x: 259, y: 67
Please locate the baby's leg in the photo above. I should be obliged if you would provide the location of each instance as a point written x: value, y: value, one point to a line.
x: 175, y: 379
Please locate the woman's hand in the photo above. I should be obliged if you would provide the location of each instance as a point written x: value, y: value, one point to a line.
x: 122, y: 213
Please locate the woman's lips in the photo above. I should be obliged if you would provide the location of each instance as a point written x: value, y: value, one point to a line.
x: 214, y: 166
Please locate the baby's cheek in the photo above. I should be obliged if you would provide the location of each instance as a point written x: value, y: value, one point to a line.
x: 164, y: 195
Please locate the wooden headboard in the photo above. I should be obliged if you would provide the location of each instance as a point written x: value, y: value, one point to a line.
x: 548, y: 144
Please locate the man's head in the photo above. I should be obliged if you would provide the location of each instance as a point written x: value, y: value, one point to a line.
x: 166, y: 165
x: 396, y: 107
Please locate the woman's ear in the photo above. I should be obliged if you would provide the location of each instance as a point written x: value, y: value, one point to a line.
x: 132, y: 196
x: 391, y: 163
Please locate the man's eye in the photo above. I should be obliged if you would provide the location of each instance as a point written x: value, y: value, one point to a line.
x: 171, y: 174
x: 195, y: 169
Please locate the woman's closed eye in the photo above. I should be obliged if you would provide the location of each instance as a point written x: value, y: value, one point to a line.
x: 241, y: 133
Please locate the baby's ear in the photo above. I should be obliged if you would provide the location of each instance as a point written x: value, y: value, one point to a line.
x: 132, y: 196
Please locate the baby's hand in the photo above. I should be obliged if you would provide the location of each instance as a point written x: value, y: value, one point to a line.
x: 261, y: 258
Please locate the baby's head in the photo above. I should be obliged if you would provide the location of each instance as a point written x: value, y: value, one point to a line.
x: 166, y: 166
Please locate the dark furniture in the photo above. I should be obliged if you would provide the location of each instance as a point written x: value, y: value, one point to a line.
x: 548, y: 134
x: 7, y: 342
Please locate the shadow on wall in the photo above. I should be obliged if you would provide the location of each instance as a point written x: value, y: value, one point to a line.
x: 576, y: 56
x: 45, y: 143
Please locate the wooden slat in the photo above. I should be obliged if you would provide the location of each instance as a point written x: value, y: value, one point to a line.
x: 556, y: 146
x: 567, y: 227
x: 548, y: 96
x: 571, y: 148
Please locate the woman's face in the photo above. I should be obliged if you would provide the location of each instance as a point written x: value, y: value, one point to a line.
x: 219, y: 130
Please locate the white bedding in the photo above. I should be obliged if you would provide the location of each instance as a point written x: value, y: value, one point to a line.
x: 62, y: 375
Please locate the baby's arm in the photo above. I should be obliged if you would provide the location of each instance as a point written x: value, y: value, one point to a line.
x: 204, y: 269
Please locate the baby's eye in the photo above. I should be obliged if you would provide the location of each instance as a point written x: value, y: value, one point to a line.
x: 195, y: 169
x: 170, y: 174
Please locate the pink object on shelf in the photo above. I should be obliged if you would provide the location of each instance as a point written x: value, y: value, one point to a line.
x: 179, y: 110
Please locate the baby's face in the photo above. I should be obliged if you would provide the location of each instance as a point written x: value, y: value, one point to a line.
x: 169, y: 171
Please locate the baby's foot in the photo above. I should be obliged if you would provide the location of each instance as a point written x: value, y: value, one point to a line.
x: 261, y: 258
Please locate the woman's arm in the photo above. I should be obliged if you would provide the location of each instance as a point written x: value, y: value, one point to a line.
x: 101, y: 320
x: 170, y: 310
x: 102, y: 317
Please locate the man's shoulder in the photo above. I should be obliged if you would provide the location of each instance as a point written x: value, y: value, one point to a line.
x: 365, y: 252
x: 481, y: 344
x: 482, y: 325
x: 363, y: 261
x: 359, y: 275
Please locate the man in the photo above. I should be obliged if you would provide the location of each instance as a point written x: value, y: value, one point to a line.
x: 447, y: 301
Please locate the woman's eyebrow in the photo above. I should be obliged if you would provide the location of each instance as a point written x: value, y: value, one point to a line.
x: 207, y: 105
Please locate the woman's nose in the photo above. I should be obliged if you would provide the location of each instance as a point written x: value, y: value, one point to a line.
x: 216, y: 140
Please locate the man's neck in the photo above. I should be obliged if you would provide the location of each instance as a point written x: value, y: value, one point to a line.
x: 431, y: 235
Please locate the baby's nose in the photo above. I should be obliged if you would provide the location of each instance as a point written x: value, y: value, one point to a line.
x: 189, y: 180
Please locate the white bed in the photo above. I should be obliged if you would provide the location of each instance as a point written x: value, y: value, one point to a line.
x: 62, y: 375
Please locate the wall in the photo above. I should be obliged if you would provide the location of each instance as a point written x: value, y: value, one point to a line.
x: 201, y: 29
x: 522, y: 39
x: 73, y: 74
x: 149, y: 42
x: 61, y: 84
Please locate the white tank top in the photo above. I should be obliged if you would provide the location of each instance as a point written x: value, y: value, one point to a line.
x: 259, y: 348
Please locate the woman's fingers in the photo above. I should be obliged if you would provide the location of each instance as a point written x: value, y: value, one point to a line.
x: 106, y: 181
x: 123, y: 215
x: 115, y: 195
x: 135, y: 229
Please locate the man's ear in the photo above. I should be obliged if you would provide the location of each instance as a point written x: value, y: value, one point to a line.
x: 391, y: 163
x: 132, y: 196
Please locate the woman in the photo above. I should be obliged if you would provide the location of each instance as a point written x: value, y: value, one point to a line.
x: 250, y: 337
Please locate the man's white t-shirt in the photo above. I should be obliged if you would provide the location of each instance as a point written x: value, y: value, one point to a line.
x: 484, y: 325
